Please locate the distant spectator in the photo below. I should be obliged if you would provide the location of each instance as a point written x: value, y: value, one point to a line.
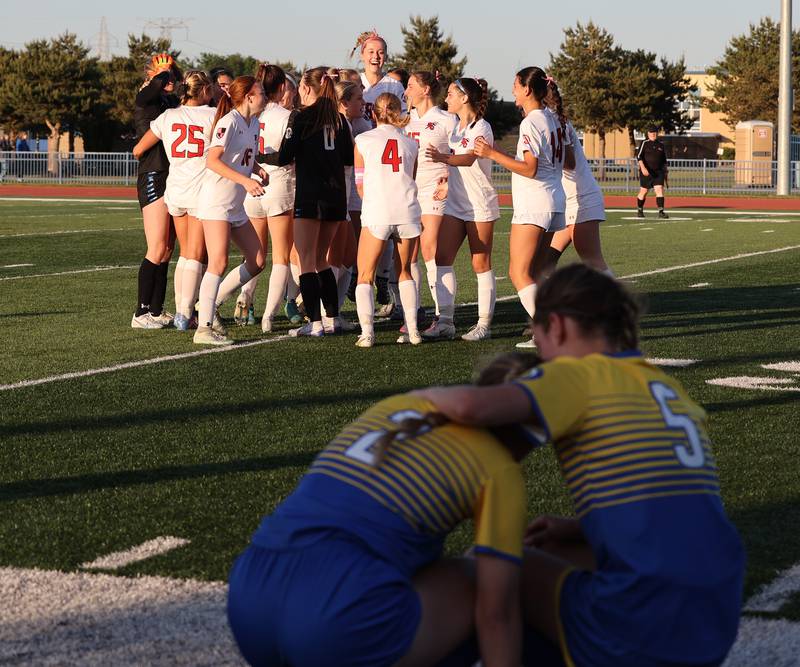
x: 652, y: 159
x: 22, y: 143
x: 5, y: 144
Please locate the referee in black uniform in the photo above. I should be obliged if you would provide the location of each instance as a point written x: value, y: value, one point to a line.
x: 653, y: 171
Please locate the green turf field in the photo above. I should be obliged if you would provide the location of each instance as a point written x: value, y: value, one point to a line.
x: 88, y: 466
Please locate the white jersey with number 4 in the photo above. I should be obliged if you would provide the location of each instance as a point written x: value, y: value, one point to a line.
x: 220, y: 197
x: 390, y: 193
x: 541, y: 135
x: 386, y: 85
x: 470, y: 193
x: 186, y: 134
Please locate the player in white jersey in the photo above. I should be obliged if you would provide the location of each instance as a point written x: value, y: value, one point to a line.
x: 385, y: 163
x: 230, y: 162
x: 186, y: 133
x: 271, y: 213
x: 470, y: 212
x: 537, y: 193
x: 429, y: 126
x: 585, y: 206
x: 374, y: 79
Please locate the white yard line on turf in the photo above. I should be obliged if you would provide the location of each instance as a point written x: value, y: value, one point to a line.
x: 138, y: 364
x: 786, y: 366
x: 71, y: 273
x: 779, y: 214
x: 71, y: 231
x: 673, y: 363
x: 15, y: 266
x: 149, y: 549
x: 775, y: 594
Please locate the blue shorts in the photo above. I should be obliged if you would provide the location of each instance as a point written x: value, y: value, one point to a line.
x: 332, y: 603
x: 583, y: 641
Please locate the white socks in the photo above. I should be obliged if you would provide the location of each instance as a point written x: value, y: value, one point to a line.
x: 527, y: 297
x: 233, y: 281
x: 277, y: 287
x: 208, y: 295
x: 249, y: 288
x: 365, y: 307
x: 487, y: 294
x: 430, y: 268
x: 178, y: 280
x: 190, y: 282
x: 409, y: 297
x: 446, y: 293
x: 293, y: 284
x: 343, y: 283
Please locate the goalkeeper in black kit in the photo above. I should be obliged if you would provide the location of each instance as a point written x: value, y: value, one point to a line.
x: 652, y: 159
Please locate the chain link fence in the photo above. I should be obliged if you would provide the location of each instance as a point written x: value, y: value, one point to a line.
x: 620, y: 176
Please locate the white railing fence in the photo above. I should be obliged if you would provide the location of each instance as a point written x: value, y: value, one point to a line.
x: 615, y: 176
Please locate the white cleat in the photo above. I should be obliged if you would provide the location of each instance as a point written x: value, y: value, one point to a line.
x: 440, y: 331
x: 307, y: 330
x: 527, y: 344
x: 165, y: 318
x: 365, y: 340
x: 145, y: 321
x: 478, y: 332
x: 207, y: 336
x: 414, y: 339
x: 266, y: 324
x: 218, y: 326
x: 240, y: 311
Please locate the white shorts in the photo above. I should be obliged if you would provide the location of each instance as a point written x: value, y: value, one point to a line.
x: 428, y: 204
x: 470, y: 213
x: 410, y: 230
x: 585, y: 209
x: 178, y: 212
x: 267, y: 206
x: 549, y: 222
x: 235, y: 216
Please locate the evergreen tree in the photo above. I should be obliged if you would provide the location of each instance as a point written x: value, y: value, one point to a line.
x: 674, y: 88
x: 238, y: 64
x: 747, y: 76
x: 425, y: 48
x: 586, y: 68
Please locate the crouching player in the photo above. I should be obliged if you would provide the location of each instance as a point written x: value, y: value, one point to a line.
x: 649, y: 572
x: 348, y: 570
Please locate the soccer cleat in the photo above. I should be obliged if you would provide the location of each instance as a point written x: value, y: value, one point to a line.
x: 639, y: 213
x: 181, y: 322
x: 365, y: 340
x: 527, y: 344
x: 663, y: 215
x: 240, y: 311
x: 414, y: 339
x: 292, y: 312
x: 251, y: 315
x: 266, y: 324
x: 440, y: 331
x: 306, y: 330
x: 145, y: 321
x: 207, y: 336
x: 217, y: 324
x: 384, y: 310
x: 478, y: 332
x: 397, y: 313
x: 347, y: 326
x: 332, y: 326
x: 165, y: 318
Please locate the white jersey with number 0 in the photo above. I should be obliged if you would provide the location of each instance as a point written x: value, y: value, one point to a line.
x: 221, y: 198
x: 386, y: 85
x: 390, y: 193
x: 186, y: 134
x: 470, y: 193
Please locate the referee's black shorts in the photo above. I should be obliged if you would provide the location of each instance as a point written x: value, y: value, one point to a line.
x: 655, y: 178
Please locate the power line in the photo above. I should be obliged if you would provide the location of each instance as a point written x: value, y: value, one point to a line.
x: 165, y: 26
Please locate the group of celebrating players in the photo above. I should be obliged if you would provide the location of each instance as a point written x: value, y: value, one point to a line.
x: 314, y: 164
x: 349, y: 569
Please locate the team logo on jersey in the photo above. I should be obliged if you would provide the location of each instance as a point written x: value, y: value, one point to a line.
x: 431, y: 126
x: 526, y: 139
x: 464, y: 142
x: 221, y: 132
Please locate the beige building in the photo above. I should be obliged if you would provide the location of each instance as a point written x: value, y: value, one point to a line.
x: 705, y: 122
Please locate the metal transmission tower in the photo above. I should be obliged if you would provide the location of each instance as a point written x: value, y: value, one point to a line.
x: 785, y: 100
x: 165, y: 26
x: 102, y: 41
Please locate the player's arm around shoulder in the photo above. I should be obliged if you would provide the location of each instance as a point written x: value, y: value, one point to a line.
x: 480, y: 406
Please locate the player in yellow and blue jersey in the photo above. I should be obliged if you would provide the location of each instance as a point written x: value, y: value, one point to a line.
x: 649, y: 572
x: 348, y: 569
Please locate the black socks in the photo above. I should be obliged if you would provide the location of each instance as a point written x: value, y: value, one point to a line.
x: 147, y: 279
x: 310, y: 289
x: 329, y: 292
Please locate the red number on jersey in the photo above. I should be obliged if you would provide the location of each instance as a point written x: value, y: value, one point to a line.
x: 248, y: 155
x: 391, y: 155
x: 188, y: 133
x: 557, y: 144
x: 260, y: 138
x: 414, y: 136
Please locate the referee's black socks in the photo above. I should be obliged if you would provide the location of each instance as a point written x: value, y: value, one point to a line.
x: 660, y: 202
x: 640, y: 203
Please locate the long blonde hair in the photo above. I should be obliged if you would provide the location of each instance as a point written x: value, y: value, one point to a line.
x: 388, y: 111
x: 193, y: 85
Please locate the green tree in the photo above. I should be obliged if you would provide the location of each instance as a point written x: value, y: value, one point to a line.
x: 426, y: 48
x: 586, y: 68
x: 675, y: 88
x: 51, y: 84
x: 746, y: 85
x: 238, y: 64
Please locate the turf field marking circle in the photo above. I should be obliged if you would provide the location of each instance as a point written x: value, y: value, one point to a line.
x: 673, y: 363
x: 775, y: 594
x: 149, y: 549
x: 786, y: 366
x: 756, y: 383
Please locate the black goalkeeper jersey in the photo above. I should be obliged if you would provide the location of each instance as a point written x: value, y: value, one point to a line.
x: 319, y: 157
x: 151, y: 102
